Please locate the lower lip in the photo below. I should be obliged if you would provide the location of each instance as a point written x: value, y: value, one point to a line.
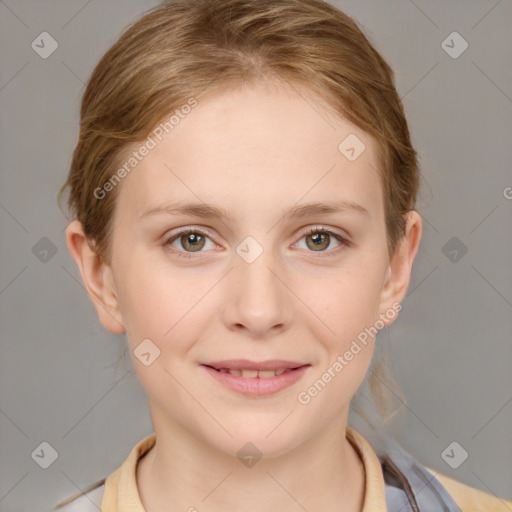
x: 256, y: 386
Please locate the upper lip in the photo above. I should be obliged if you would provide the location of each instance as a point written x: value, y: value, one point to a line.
x: 245, y: 364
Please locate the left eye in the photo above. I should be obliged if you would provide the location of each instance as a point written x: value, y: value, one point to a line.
x: 319, y: 239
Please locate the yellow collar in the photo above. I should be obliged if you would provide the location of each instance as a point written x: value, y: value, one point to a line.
x: 121, y: 493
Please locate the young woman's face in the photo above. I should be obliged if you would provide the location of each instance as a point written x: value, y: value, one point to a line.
x: 254, y: 285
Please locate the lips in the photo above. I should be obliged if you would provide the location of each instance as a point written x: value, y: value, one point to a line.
x: 256, y: 377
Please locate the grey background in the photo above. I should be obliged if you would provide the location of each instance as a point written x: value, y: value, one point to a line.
x: 451, y: 345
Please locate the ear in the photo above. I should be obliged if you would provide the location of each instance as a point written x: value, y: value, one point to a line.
x: 97, y: 278
x: 399, y: 270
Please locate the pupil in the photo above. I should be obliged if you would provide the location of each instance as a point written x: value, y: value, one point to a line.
x: 319, y: 240
x: 193, y: 241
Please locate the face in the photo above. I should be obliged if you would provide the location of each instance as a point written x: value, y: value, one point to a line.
x: 250, y: 278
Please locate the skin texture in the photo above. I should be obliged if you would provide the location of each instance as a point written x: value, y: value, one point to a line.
x: 254, y: 151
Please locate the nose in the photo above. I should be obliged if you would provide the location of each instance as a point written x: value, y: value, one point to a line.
x: 256, y: 299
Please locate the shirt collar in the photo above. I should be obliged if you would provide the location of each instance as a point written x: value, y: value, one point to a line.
x: 374, y: 494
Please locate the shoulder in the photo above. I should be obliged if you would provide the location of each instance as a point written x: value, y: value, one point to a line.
x: 92, y: 498
x: 469, y: 499
x: 412, y: 486
x: 87, y: 501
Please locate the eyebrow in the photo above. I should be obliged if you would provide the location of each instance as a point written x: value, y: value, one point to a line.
x: 205, y: 210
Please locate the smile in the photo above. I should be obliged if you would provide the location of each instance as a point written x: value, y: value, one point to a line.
x: 256, y: 379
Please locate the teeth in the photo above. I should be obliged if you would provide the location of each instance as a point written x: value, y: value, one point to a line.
x: 265, y: 374
x: 251, y: 374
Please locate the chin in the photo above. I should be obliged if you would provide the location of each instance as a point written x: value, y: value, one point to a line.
x: 261, y: 439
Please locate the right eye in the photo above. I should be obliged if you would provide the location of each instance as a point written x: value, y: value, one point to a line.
x: 191, y: 240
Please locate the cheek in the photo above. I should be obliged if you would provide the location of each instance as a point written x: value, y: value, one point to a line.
x: 344, y: 325
x: 163, y: 304
x: 148, y: 303
x: 344, y: 304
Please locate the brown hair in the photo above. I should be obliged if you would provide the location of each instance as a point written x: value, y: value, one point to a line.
x: 181, y: 48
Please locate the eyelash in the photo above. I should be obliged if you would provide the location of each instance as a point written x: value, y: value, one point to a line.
x: 318, y: 229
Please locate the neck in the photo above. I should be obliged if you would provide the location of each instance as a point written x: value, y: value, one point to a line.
x: 323, y: 473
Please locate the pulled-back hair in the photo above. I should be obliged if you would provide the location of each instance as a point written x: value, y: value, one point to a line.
x: 184, y: 48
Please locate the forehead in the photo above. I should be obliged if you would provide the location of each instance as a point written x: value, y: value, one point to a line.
x: 253, y: 147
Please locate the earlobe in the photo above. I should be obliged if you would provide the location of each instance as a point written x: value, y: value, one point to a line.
x: 399, y: 270
x: 97, y: 278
